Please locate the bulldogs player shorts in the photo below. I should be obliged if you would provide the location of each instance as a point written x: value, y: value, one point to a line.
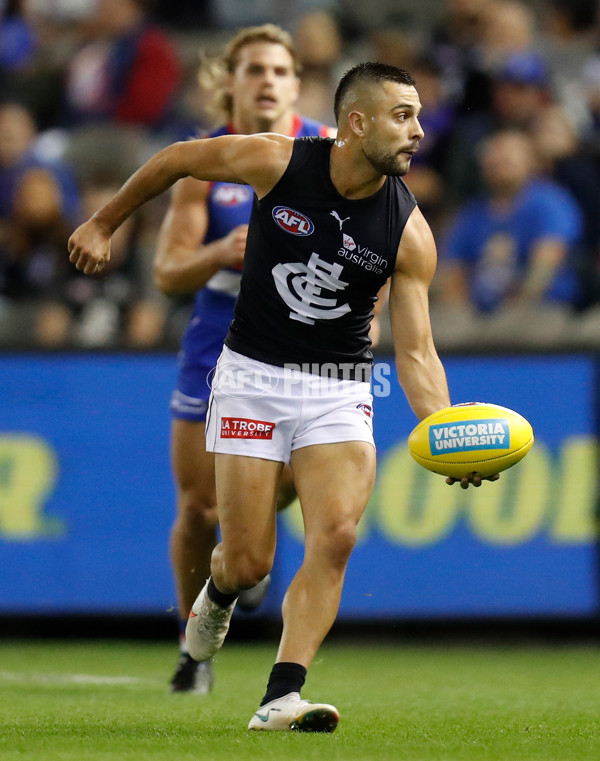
x: 261, y: 410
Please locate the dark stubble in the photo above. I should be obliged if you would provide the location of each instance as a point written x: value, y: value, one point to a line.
x: 387, y: 163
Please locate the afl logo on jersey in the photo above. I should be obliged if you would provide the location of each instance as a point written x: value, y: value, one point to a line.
x: 231, y: 195
x: 292, y: 221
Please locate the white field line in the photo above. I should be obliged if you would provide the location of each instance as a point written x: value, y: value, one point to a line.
x: 44, y: 678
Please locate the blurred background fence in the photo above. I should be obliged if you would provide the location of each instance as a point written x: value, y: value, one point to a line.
x: 86, y: 496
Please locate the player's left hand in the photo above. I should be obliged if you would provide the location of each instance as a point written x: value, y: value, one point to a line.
x: 472, y: 479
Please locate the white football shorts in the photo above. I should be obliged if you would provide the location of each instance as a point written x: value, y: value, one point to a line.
x: 261, y: 410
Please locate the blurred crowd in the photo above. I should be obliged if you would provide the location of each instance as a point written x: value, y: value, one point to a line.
x: 508, y: 174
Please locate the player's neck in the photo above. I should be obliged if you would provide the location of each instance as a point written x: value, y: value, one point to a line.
x: 352, y: 176
x: 504, y: 197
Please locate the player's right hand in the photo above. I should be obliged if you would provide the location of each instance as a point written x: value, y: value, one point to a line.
x: 234, y: 247
x: 472, y: 479
x: 89, y: 247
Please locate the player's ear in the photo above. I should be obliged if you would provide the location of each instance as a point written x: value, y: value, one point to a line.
x: 356, y: 120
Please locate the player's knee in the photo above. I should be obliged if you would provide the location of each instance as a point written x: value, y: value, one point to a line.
x: 340, y: 541
x: 196, y: 508
x: 246, y: 570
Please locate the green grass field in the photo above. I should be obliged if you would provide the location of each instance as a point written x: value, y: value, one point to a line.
x: 109, y: 700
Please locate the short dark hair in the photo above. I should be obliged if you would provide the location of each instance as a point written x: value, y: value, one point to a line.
x: 369, y: 72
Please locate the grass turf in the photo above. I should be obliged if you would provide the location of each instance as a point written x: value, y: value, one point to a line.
x: 67, y: 701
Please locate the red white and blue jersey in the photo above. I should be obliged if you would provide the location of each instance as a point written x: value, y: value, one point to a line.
x: 229, y: 205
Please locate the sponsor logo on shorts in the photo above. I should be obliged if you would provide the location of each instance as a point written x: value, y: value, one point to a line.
x: 469, y: 436
x: 366, y: 408
x: 245, y: 428
x: 293, y: 222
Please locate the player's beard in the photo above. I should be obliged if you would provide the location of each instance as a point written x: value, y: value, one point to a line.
x: 385, y: 162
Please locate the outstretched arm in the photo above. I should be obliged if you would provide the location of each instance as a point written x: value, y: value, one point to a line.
x: 420, y: 370
x: 257, y: 160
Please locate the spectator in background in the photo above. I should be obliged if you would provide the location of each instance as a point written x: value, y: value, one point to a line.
x: 520, y: 92
x: 564, y: 160
x: 113, y: 308
x: 566, y: 44
x: 456, y: 49
x: 42, y: 302
x: 514, y: 246
x: 319, y: 45
x: 396, y: 39
x: 227, y: 14
x: 184, y: 14
x: 39, y: 202
x: 127, y: 72
x: 20, y: 152
x: 473, y: 40
x: 426, y: 178
x: 18, y: 37
x: 508, y: 27
x: 28, y: 70
x: 589, y: 128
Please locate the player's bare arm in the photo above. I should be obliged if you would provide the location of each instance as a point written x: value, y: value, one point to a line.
x: 382, y: 300
x: 420, y: 370
x: 257, y: 160
x: 182, y: 264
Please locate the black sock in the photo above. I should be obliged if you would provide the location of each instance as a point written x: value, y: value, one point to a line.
x: 222, y: 599
x: 284, y: 678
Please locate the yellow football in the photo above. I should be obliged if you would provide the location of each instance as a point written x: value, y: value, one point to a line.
x: 474, y: 436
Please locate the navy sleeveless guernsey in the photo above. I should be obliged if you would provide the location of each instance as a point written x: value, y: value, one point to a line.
x: 313, y: 266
